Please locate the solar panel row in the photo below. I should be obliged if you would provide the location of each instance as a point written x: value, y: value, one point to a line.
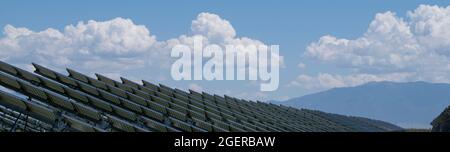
x: 50, y: 101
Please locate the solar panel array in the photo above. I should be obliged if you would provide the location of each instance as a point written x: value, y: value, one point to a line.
x: 48, y: 101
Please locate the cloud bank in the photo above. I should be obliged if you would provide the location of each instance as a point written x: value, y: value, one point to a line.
x: 414, y: 48
x: 114, y: 46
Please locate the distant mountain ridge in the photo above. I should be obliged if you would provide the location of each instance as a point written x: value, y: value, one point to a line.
x: 407, y: 104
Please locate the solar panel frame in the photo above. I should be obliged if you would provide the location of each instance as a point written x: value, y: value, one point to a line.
x: 79, y: 125
x: 160, y: 101
x: 157, y: 107
x: 117, y: 92
x: 178, y: 108
x: 76, y: 95
x: 203, y: 124
x: 221, y: 124
x: 67, y: 80
x: 121, y: 124
x: 28, y: 75
x: 176, y: 114
x: 9, y: 81
x: 131, y: 106
x: 50, y: 84
x: 157, y: 126
x: 181, y: 125
x: 78, y: 76
x: 44, y: 71
x: 87, y: 111
x: 101, y: 104
x: 130, y: 83
x: 153, y: 114
x: 60, y: 102
x: 7, y: 68
x: 124, y: 113
x: 149, y: 85
x: 44, y: 112
x: 219, y: 129
x: 90, y: 89
x: 32, y: 90
x: 138, y: 99
x: 110, y: 97
x: 105, y: 79
x: 5, y: 98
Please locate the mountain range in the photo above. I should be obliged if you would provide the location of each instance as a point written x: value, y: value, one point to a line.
x: 407, y: 104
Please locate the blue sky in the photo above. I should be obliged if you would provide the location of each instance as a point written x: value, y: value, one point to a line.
x: 294, y: 25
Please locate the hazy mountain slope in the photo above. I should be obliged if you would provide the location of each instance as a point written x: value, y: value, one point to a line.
x: 411, y: 104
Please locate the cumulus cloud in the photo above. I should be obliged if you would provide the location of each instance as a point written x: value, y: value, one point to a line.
x: 112, y: 46
x: 108, y: 45
x: 418, y: 45
x: 213, y: 27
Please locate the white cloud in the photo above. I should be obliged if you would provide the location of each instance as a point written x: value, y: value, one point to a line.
x: 326, y: 80
x: 301, y: 65
x: 103, y: 46
x: 213, y: 27
x: 118, y: 48
x: 113, y: 46
x: 418, y: 45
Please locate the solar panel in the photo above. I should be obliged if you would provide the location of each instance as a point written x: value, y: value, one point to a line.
x: 42, y: 111
x: 149, y: 85
x: 153, y: 114
x: 131, y: 106
x: 77, y: 76
x: 53, y: 86
x: 109, y: 97
x: 87, y: 88
x: 101, y: 104
x: 76, y: 95
x: 11, y: 101
x: 198, y: 115
x: 195, y: 94
x: 87, y: 103
x: 79, y: 125
x: 7, y: 68
x: 160, y: 101
x: 166, y: 90
x: 176, y: 114
x: 44, y: 71
x: 139, y: 99
x: 130, y: 83
x: 157, y: 107
x: 121, y: 124
x: 67, y: 80
x: 157, y: 126
x: 178, y: 108
x: 124, y: 113
x: 9, y: 81
x: 60, y: 101
x: 117, y: 92
x: 198, y: 129
x: 104, y: 79
x: 219, y: 129
x: 181, y: 125
x: 87, y: 111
